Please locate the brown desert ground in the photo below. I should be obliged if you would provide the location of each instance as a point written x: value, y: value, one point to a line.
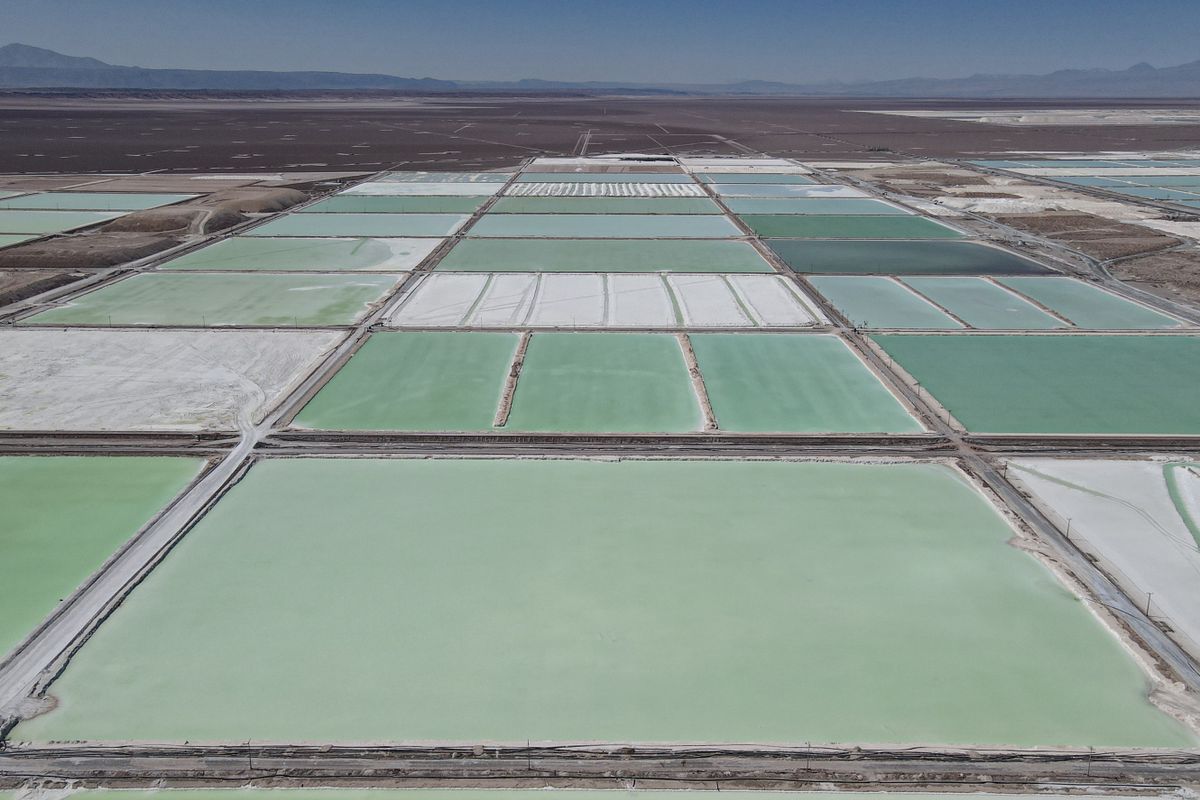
x: 128, y: 132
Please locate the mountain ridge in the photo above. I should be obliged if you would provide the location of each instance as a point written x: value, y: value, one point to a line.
x: 24, y: 66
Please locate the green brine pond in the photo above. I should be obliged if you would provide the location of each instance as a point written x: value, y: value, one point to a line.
x: 901, y: 258
x: 414, y: 600
x: 203, y: 299
x: 615, y: 255
x: 62, y: 517
x: 773, y: 383
x: 1066, y: 383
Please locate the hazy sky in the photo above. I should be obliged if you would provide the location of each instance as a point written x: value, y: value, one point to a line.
x: 626, y: 40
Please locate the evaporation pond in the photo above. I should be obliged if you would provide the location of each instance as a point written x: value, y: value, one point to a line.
x: 1090, y: 306
x: 372, y: 204
x: 13, y: 221
x: 812, y: 205
x: 9, y: 239
x: 62, y: 517
x: 1068, y: 383
x: 784, y: 190
x: 872, y: 301
x: 901, y: 258
x: 572, y: 600
x: 773, y: 383
x: 419, y: 381
x: 613, y: 255
x: 200, y: 299
x: 982, y: 304
x: 362, y: 225
x: 93, y: 201
x: 606, y: 226
x: 832, y: 226
x: 605, y: 383
x: 246, y: 254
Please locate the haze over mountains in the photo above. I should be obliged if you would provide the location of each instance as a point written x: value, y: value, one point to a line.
x: 26, y: 67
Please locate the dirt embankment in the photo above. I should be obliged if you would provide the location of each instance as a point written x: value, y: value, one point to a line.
x: 1098, y: 237
x: 210, y: 213
x: 1102, y: 228
x: 18, y: 284
x: 1175, y: 273
x: 925, y: 183
x: 143, y: 233
x: 94, y: 249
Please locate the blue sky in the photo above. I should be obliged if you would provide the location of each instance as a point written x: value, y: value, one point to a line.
x: 642, y: 40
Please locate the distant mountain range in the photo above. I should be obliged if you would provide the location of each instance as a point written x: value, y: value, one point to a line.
x: 26, y: 67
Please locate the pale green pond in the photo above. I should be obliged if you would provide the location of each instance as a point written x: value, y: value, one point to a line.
x: 1066, y: 383
x: 418, y: 381
x: 394, y: 204
x: 93, y: 201
x: 202, y: 299
x: 243, y: 253
x: 837, y: 206
x: 873, y: 301
x: 833, y: 226
x: 364, y: 600
x: 606, y: 226
x: 982, y: 304
x: 9, y: 239
x: 42, y: 222
x: 801, y: 383
x: 62, y: 517
x: 605, y: 382
x: 379, y: 225
x: 1090, y: 306
x: 616, y: 255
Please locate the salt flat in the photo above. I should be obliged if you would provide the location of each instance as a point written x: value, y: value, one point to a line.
x: 104, y: 380
x: 1141, y: 516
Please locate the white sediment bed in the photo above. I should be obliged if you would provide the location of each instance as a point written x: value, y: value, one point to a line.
x: 637, y: 300
x: 1059, y: 116
x: 933, y: 209
x: 506, y: 301
x: 595, y: 300
x: 570, y: 301
x: 145, y: 380
x: 1033, y: 198
x: 1140, y: 517
x: 585, y: 189
x: 786, y: 190
x: 707, y: 300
